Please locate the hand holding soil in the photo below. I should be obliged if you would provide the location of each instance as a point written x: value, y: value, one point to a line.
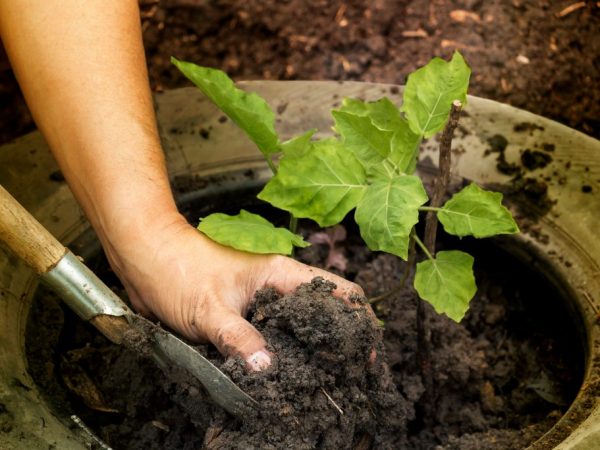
x: 203, y: 289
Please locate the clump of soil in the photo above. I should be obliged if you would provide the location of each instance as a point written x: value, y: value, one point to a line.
x: 528, y: 194
x: 534, y: 159
x: 322, y: 391
x: 498, y: 144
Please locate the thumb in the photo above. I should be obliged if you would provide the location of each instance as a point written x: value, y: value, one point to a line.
x: 234, y: 336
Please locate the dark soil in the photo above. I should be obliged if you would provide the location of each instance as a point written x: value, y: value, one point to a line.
x: 523, y: 52
x: 322, y: 392
x: 502, y: 377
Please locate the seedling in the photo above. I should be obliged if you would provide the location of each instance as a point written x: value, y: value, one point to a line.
x: 370, y: 168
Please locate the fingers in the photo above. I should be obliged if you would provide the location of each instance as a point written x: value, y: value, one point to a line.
x: 234, y: 336
x: 287, y: 274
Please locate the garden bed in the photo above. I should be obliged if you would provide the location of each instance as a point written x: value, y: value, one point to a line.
x: 502, y: 377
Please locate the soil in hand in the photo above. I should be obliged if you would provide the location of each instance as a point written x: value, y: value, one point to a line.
x: 324, y: 390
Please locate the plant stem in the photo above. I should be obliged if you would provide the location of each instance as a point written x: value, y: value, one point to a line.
x: 439, y: 189
x: 293, y: 226
x: 271, y: 165
x: 429, y: 208
x: 441, y: 182
x: 422, y: 247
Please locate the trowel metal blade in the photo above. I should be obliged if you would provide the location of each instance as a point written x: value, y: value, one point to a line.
x: 173, y: 351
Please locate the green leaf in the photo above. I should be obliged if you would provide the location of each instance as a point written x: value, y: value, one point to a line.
x: 402, y: 159
x: 403, y: 144
x: 388, y: 211
x: 405, y: 148
x: 476, y: 212
x: 430, y: 91
x: 250, y: 233
x: 447, y: 282
x: 247, y: 109
x: 383, y: 113
x: 323, y: 185
x: 369, y: 143
x: 298, y: 145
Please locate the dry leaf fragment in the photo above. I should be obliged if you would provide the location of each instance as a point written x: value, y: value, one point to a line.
x: 455, y: 44
x: 339, y: 16
x: 80, y: 383
x: 461, y: 15
x: 345, y: 63
x: 161, y: 426
x: 420, y: 33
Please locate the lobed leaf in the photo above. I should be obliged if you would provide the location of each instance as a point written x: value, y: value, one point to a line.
x: 323, y: 185
x: 250, y: 233
x: 447, y: 282
x: 430, y: 91
x: 383, y: 113
x: 368, y: 143
x: 298, y: 145
x: 404, y: 148
x: 476, y: 212
x: 247, y: 109
x: 388, y: 211
x: 403, y: 143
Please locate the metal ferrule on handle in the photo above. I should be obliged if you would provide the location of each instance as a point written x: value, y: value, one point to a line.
x: 82, y: 290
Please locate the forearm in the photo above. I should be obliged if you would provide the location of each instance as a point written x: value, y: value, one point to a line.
x: 82, y: 70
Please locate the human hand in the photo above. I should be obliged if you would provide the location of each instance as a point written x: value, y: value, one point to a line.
x: 203, y: 289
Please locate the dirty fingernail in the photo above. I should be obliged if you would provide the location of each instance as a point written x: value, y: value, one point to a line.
x: 258, y: 361
x: 372, y: 356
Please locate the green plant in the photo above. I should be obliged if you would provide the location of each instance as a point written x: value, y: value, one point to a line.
x: 370, y: 168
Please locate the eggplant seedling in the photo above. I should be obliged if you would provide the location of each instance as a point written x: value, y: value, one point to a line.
x: 369, y: 168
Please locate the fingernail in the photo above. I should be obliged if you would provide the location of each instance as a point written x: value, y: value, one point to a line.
x: 258, y: 361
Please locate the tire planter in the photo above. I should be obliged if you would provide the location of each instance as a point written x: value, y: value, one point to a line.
x: 569, y: 251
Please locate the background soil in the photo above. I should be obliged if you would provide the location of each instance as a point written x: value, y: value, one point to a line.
x: 533, y: 54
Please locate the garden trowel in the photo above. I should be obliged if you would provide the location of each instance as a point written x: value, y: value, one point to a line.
x: 93, y: 301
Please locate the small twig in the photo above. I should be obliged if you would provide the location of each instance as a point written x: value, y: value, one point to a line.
x: 571, y: 8
x: 89, y: 432
x: 441, y: 182
x: 332, y: 402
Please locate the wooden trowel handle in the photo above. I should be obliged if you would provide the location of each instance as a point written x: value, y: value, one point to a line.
x: 29, y: 240
x: 26, y: 237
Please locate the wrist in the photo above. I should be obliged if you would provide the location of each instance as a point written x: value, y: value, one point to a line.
x: 134, y: 228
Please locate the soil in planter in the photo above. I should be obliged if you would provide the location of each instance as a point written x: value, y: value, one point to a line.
x: 503, y: 376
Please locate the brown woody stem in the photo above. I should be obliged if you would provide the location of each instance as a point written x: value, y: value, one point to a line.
x: 423, y: 331
x: 441, y: 182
